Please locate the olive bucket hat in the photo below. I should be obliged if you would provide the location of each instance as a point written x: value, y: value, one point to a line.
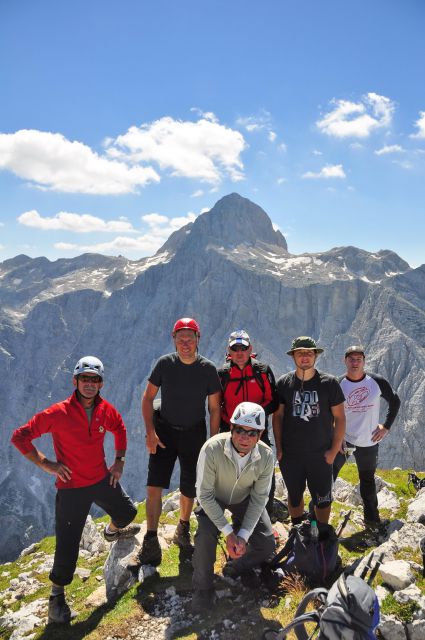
x: 304, y: 342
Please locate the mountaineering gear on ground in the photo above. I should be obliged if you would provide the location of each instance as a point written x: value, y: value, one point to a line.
x: 249, y: 414
x: 348, y: 611
x: 304, y: 342
x: 127, y: 532
x: 186, y: 323
x: 89, y: 364
x: 316, y: 559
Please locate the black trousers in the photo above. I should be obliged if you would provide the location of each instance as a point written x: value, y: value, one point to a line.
x: 367, y: 461
x: 72, y: 508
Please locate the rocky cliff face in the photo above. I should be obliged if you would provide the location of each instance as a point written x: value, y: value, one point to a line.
x: 229, y: 269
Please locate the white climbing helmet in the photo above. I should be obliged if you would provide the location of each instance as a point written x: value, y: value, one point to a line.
x: 249, y: 414
x: 89, y: 364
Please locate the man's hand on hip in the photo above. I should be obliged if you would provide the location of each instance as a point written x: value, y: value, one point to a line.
x: 379, y: 433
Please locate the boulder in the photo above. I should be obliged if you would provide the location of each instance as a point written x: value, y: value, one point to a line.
x: 388, y: 500
x: 91, y: 540
x: 391, y: 628
x: 397, y: 574
x: 416, y: 509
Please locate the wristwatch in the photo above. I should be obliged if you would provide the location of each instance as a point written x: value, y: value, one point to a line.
x: 121, y: 458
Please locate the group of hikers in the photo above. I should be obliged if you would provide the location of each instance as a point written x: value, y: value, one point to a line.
x: 317, y: 421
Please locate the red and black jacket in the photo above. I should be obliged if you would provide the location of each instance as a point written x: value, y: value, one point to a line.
x: 254, y: 383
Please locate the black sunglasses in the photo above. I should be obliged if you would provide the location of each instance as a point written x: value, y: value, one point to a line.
x: 239, y: 347
x: 241, y: 431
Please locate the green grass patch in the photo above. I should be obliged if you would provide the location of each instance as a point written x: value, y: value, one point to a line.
x: 403, y: 611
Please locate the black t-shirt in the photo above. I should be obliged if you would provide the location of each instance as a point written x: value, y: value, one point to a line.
x: 307, y: 425
x: 184, y: 388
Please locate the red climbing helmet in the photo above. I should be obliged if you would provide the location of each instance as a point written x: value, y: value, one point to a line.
x: 186, y: 323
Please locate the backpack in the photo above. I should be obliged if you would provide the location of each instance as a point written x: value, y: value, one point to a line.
x: 258, y: 368
x: 348, y: 611
x: 315, y: 560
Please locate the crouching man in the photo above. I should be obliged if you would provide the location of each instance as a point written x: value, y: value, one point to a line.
x: 234, y: 472
x: 78, y: 426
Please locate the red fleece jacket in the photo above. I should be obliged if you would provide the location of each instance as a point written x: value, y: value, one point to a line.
x: 78, y: 444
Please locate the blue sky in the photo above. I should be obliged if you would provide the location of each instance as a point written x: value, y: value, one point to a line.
x: 119, y: 122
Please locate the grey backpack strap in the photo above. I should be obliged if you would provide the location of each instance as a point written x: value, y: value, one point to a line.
x: 298, y: 626
x: 315, y: 594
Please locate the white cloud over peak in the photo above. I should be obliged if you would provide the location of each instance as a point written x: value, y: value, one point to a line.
x: 357, y: 119
x: 160, y: 228
x: 75, y: 222
x: 52, y: 162
x: 204, y: 150
x: 420, y: 125
x: 328, y: 171
x: 392, y: 148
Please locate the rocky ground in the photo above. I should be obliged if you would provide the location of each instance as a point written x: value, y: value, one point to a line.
x: 159, y: 607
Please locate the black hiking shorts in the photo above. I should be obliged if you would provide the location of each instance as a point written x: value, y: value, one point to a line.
x: 181, y: 444
x: 309, y: 470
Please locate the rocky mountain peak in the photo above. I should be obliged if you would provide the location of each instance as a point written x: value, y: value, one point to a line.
x: 233, y: 220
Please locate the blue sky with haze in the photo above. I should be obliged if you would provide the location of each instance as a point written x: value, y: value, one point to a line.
x: 121, y: 121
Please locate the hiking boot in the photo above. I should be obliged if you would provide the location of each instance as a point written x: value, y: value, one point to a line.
x: 182, y: 535
x: 249, y: 577
x: 59, y: 610
x: 150, y: 553
x: 202, y: 600
x: 126, y: 532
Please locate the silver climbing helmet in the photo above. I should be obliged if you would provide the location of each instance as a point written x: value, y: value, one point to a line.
x: 89, y: 364
x: 249, y: 414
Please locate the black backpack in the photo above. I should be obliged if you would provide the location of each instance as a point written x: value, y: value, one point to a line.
x: 315, y: 559
x: 348, y: 611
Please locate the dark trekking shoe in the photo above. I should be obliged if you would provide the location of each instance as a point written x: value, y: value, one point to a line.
x: 249, y: 577
x: 59, y: 610
x: 182, y: 535
x: 202, y: 600
x: 127, y: 532
x: 150, y: 553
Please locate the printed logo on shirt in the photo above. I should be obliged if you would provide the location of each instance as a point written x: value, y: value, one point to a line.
x: 358, y: 396
x: 101, y: 429
x: 305, y: 405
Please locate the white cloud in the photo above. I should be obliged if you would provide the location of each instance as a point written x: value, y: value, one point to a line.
x: 272, y: 136
x: 357, y: 146
x: 281, y: 180
x: 197, y: 194
x: 282, y: 147
x: 207, y: 115
x: 205, y: 150
x: 420, y: 124
x: 357, y: 119
x: 404, y: 164
x: 317, y: 153
x: 52, y: 162
x: 328, y: 171
x: 392, y: 148
x: 154, y: 219
x: 160, y: 228
x: 275, y: 226
x: 76, y: 222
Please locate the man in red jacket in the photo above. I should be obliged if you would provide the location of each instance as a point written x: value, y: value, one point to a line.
x: 78, y: 426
